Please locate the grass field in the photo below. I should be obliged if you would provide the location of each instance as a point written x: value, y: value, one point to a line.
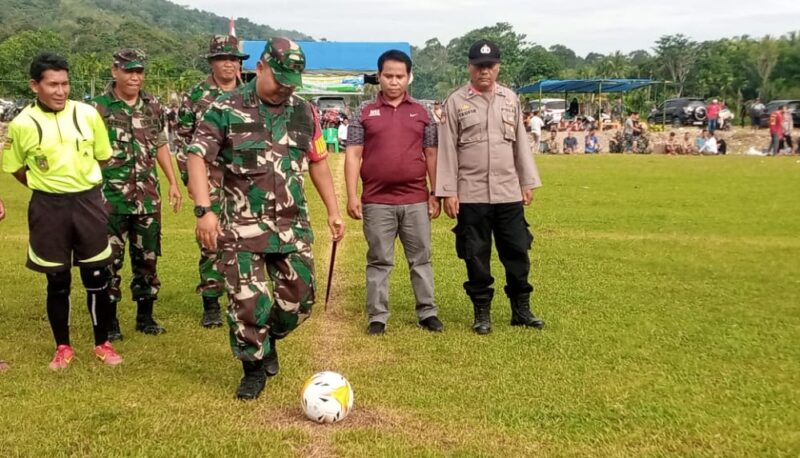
x: 670, y: 287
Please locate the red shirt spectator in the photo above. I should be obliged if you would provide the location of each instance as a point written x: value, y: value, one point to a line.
x: 713, y: 110
x: 776, y: 122
x: 393, y: 164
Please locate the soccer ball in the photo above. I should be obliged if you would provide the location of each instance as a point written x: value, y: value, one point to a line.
x: 327, y: 397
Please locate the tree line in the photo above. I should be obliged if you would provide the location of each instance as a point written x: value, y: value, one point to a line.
x: 733, y: 69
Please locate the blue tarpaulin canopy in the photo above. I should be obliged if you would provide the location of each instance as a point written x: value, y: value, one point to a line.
x: 331, y: 55
x: 585, y: 86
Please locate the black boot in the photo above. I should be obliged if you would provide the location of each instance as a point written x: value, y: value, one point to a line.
x: 253, y: 381
x: 482, y: 305
x: 271, y: 365
x: 144, y: 318
x: 114, y: 333
x: 521, y: 314
x: 211, y: 313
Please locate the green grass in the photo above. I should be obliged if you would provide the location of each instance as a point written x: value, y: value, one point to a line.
x: 670, y: 287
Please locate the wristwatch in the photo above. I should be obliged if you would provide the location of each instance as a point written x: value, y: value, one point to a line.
x: 200, y: 211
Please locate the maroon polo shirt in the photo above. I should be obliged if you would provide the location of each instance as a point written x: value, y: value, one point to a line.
x: 393, y: 166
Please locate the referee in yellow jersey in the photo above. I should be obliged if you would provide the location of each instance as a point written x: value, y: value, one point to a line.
x: 54, y: 147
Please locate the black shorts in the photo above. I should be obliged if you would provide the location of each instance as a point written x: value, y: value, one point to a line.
x: 67, y: 230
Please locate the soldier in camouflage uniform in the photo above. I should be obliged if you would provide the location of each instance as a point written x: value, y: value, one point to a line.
x: 266, y: 138
x: 137, y: 129
x: 225, y: 60
x: 616, y: 143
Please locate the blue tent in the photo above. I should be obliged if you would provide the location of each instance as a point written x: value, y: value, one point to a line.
x: 585, y: 86
x: 331, y: 56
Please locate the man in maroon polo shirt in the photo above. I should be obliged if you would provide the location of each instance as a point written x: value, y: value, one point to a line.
x: 391, y: 143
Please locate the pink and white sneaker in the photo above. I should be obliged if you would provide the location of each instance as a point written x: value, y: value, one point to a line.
x: 106, y: 353
x: 63, y: 357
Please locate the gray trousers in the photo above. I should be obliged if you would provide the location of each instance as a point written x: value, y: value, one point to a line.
x: 382, y: 225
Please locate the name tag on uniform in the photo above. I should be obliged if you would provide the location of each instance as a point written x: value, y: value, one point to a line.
x: 374, y: 113
x: 466, y: 110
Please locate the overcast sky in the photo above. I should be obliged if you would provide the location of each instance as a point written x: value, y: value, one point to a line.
x: 581, y: 25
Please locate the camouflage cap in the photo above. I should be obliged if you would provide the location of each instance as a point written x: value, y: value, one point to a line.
x: 225, y: 45
x: 130, y: 59
x: 286, y: 60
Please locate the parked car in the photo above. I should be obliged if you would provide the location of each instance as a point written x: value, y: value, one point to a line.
x: 684, y: 111
x: 331, y: 102
x: 794, y: 109
x: 551, y: 110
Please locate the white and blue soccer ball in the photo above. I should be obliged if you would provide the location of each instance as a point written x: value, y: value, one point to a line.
x: 327, y: 397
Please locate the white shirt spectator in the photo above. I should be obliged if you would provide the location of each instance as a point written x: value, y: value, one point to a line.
x: 342, y: 132
x: 536, y: 125
x: 710, y: 146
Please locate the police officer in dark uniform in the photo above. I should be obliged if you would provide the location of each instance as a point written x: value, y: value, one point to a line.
x: 486, y: 173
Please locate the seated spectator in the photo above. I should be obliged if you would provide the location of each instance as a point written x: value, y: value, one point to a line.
x: 722, y: 146
x: 550, y: 145
x: 617, y: 142
x: 700, y: 141
x: 671, y: 147
x: 591, y: 144
x: 710, y: 143
x: 642, y: 144
x: 687, y: 145
x: 570, y: 143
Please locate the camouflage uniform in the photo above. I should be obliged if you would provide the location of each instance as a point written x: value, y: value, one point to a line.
x: 617, y: 142
x: 193, y: 104
x: 131, y: 189
x: 267, y: 237
x: 642, y: 144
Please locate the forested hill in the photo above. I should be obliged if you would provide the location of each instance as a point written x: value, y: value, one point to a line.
x: 90, y: 23
x: 175, y: 38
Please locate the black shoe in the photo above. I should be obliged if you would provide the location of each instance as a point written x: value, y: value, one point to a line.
x: 253, y: 382
x: 146, y: 324
x: 271, y: 364
x: 482, y: 307
x: 529, y: 322
x: 211, y: 313
x: 114, y: 333
x: 482, y: 328
x: 521, y: 314
x: 432, y: 323
x: 376, y: 328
